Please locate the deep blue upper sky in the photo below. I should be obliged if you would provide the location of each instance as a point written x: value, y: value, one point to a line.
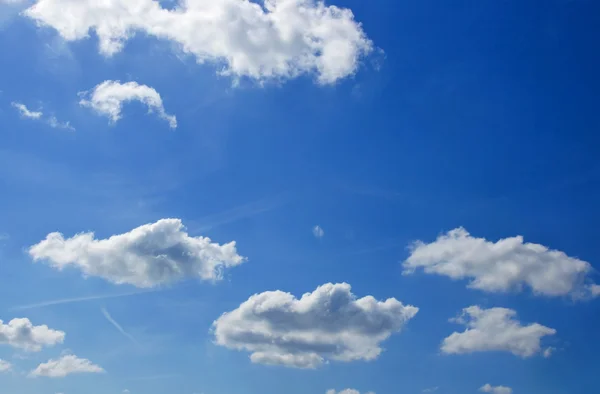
x: 481, y: 114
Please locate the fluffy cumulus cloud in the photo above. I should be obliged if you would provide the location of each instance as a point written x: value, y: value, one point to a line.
x: 66, y: 365
x: 108, y: 97
x: 495, y: 329
x: 22, y: 334
x: 488, y: 388
x: 506, y: 265
x: 268, y: 39
x: 328, y: 324
x: 151, y: 255
x: 5, y: 366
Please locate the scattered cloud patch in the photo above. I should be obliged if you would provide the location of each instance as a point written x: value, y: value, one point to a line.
x: 328, y: 324
x: 549, y: 351
x: 5, y: 366
x: 51, y: 121
x: 277, y: 39
x: 22, y: 334
x: 64, y: 366
x: 151, y: 255
x: 506, y: 265
x: 318, y: 231
x: 430, y: 389
x: 495, y: 329
x: 495, y: 389
x: 347, y: 391
x: 26, y: 112
x: 107, y: 99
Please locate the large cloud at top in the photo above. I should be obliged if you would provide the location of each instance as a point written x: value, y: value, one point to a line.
x: 258, y: 39
x: 328, y: 324
x: 151, y: 255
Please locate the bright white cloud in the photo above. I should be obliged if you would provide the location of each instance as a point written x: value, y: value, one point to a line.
x: 347, y: 391
x: 328, y: 324
x: 495, y: 329
x: 151, y: 255
x: 66, y: 365
x: 506, y: 265
x: 273, y: 39
x: 495, y: 389
x: 5, y: 366
x: 22, y: 334
x: 26, y: 112
x: 108, y: 97
x: 318, y: 231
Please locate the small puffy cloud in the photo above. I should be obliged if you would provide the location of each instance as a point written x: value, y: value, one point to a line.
x: 271, y: 39
x: 502, y: 266
x: 5, y: 366
x: 22, y: 334
x: 151, y: 255
x: 495, y: 389
x: 328, y: 324
x: 346, y: 391
x: 66, y: 365
x: 56, y: 124
x: 495, y: 329
x: 26, y: 112
x: 108, y: 97
x: 318, y: 231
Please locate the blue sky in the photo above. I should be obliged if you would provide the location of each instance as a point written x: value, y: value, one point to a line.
x: 423, y: 119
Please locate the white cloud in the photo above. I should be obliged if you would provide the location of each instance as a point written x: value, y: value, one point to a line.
x: 66, y: 365
x: 37, y: 115
x: 495, y: 329
x: 107, y: 99
x: 5, y: 366
x: 495, y: 389
x: 318, y: 231
x: 276, y: 39
x: 151, y: 255
x: 549, y: 351
x: 506, y: 265
x: 328, y: 324
x: 347, y: 391
x: 56, y: 124
x: 26, y: 112
x: 431, y: 389
x: 22, y: 334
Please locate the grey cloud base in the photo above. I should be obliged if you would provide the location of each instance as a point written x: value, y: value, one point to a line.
x: 328, y: 324
x: 148, y: 256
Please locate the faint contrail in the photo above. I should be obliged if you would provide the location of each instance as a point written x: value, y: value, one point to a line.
x: 118, y: 326
x: 77, y: 299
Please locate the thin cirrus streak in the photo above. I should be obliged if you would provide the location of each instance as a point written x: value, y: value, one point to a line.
x: 118, y: 326
x: 77, y: 299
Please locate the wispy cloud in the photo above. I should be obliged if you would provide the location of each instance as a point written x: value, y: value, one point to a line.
x: 77, y: 299
x: 118, y: 326
x: 26, y: 112
x: 318, y: 231
x: 51, y: 121
x: 243, y: 211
